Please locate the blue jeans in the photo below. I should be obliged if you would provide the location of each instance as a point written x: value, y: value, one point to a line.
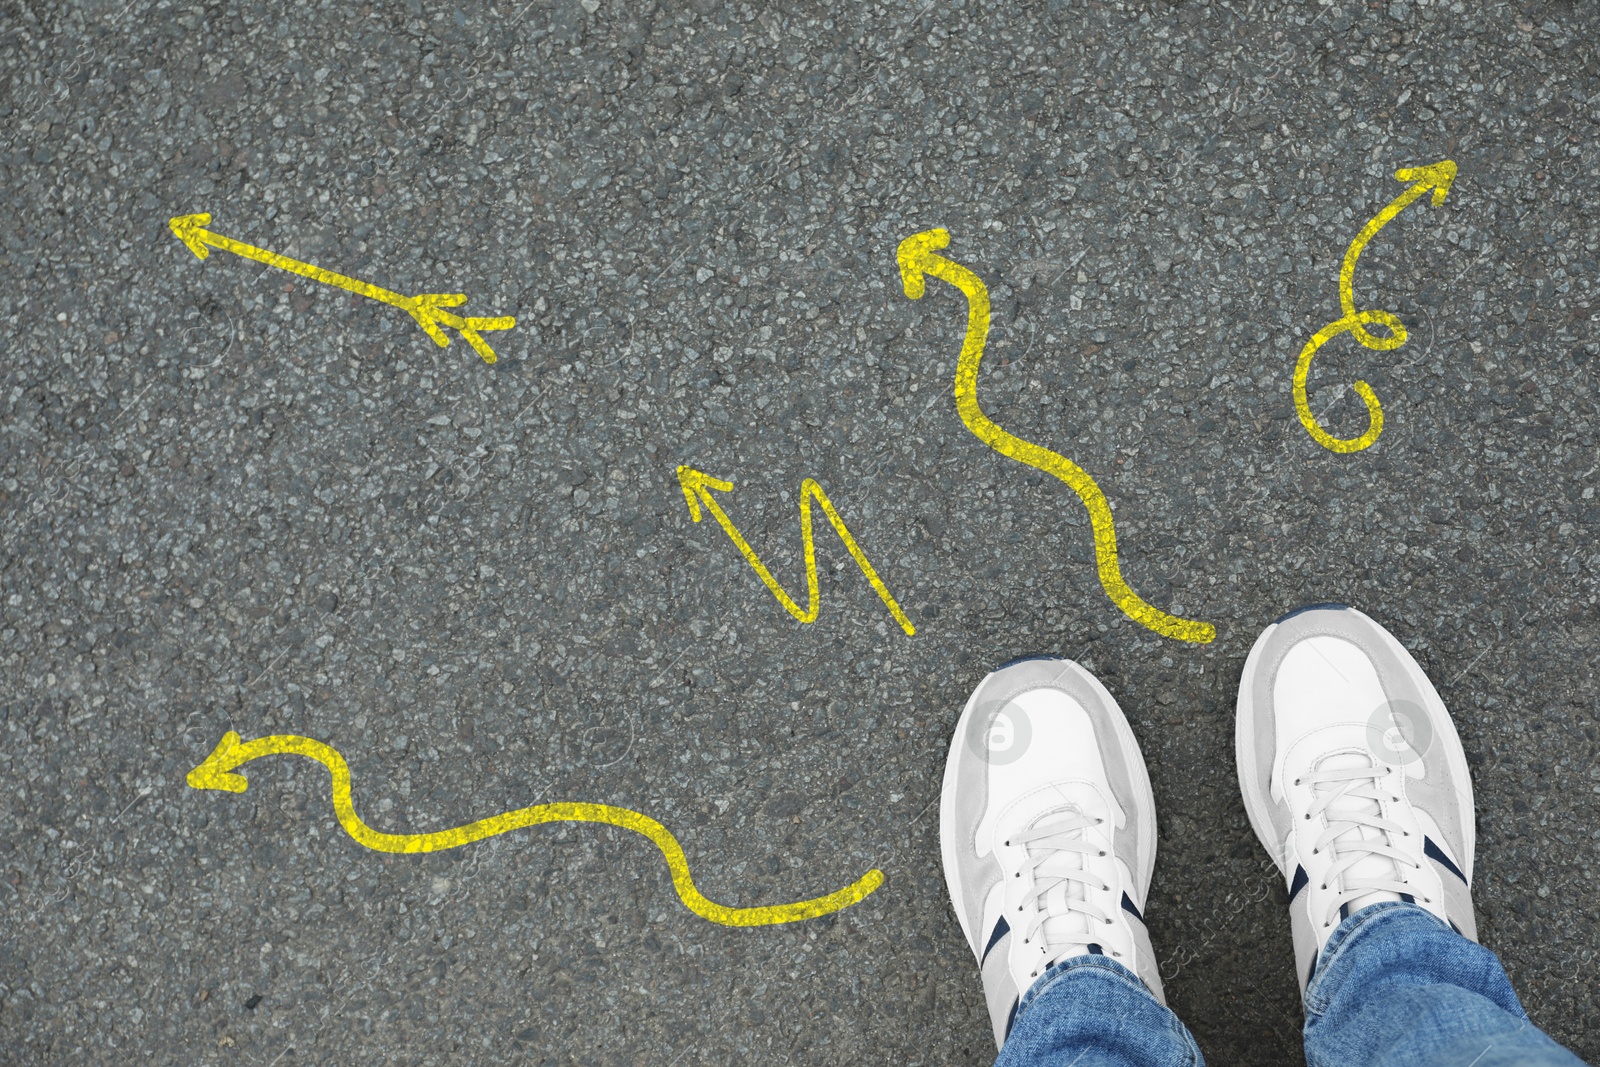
x: 1394, y: 987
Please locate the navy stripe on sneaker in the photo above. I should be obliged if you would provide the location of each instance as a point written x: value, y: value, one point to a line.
x: 1096, y: 949
x: 1435, y: 853
x: 1127, y: 906
x: 1330, y: 606
x: 1024, y: 659
x: 1299, y: 883
x: 1012, y: 1018
x: 1001, y: 929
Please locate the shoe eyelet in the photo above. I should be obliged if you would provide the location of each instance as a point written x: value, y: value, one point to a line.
x: 1102, y: 852
x: 1108, y: 922
x: 1297, y: 781
x: 1308, y: 816
x: 1324, y: 886
x: 1315, y: 851
x: 1117, y: 954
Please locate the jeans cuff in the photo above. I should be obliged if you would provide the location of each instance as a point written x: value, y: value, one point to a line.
x: 1058, y: 971
x: 1349, y: 933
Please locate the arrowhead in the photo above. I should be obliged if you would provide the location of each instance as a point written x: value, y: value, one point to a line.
x: 190, y: 230
x: 697, y: 484
x: 916, y: 256
x: 1439, y: 175
x: 428, y: 310
x: 216, y: 771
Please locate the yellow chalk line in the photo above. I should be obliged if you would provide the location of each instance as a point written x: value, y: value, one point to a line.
x: 426, y: 309
x: 696, y: 490
x: 217, y: 772
x: 1436, y: 179
x: 916, y: 257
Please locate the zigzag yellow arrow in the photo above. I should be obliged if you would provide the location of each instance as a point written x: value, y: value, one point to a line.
x: 218, y: 772
x: 1437, y: 179
x: 697, y: 489
x: 427, y: 308
x: 917, y: 258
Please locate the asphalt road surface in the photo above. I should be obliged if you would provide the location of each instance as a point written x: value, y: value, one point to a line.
x: 238, y: 499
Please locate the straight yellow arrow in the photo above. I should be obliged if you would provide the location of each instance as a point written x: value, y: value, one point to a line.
x: 427, y: 308
x: 219, y: 771
x: 1436, y: 178
x: 697, y: 488
x: 918, y: 256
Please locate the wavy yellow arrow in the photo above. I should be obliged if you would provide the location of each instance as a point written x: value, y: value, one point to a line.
x: 427, y: 308
x: 917, y: 257
x: 218, y: 772
x: 1435, y: 178
x: 697, y: 488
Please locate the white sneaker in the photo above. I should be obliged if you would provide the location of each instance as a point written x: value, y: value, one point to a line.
x: 1048, y: 830
x: 1353, y: 775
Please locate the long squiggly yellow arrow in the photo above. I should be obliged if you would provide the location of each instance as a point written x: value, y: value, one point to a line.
x: 917, y: 257
x: 1437, y: 179
x: 427, y: 308
x: 218, y: 772
x: 697, y: 488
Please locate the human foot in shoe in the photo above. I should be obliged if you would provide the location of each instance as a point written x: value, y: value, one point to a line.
x: 1353, y: 775
x: 1047, y: 827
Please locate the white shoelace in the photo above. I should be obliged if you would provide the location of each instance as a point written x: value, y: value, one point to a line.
x: 1367, y: 866
x: 1056, y: 912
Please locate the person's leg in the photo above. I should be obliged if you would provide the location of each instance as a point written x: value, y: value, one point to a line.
x: 1356, y: 782
x: 1048, y: 833
x: 1090, y: 1011
x: 1396, y: 987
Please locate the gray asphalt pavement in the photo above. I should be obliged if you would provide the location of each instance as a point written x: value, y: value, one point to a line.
x: 237, y: 499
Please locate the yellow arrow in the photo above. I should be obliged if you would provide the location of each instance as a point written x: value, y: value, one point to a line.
x: 697, y: 489
x: 427, y: 308
x: 917, y: 257
x: 1435, y: 178
x: 218, y: 772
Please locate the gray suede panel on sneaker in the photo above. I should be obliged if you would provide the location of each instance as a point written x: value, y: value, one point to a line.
x: 1000, y: 992
x: 1149, y: 968
x: 1127, y: 786
x: 981, y: 874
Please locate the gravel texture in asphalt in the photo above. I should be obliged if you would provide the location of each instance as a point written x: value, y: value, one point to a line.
x: 237, y: 499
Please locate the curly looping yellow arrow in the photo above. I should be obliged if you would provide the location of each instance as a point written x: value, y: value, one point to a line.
x: 697, y: 487
x: 917, y: 257
x: 218, y: 772
x: 427, y: 309
x: 1437, y: 179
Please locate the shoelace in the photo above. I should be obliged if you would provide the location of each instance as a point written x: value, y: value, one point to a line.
x: 1353, y: 806
x: 1056, y: 912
